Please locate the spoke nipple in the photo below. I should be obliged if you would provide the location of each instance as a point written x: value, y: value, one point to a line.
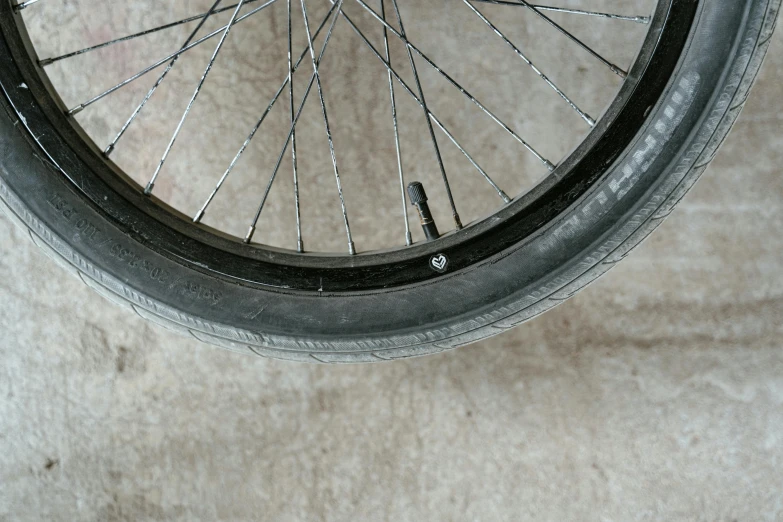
x: 419, y: 199
x: 197, y: 218
x: 551, y: 166
x: 250, y: 232
x: 300, y: 246
x: 457, y: 221
x: 76, y: 110
x: 351, y: 248
x: 109, y: 150
x: 148, y: 188
x: 590, y: 121
x: 504, y: 196
x: 408, y: 239
x: 45, y: 62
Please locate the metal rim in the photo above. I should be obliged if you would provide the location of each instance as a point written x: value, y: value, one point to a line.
x: 207, y: 250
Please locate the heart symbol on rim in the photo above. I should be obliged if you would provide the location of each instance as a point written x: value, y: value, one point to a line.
x: 439, y: 262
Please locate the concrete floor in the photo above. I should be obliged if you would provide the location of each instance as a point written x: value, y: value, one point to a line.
x: 656, y: 394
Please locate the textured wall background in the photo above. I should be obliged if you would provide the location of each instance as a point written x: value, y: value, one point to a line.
x: 656, y: 394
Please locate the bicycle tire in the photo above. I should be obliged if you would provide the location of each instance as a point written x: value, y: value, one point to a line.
x: 681, y: 134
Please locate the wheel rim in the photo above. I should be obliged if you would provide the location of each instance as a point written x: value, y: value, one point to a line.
x: 463, y: 249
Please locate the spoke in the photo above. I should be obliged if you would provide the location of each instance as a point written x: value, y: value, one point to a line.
x: 548, y: 164
x: 457, y: 221
x: 299, y: 242
x: 472, y: 161
x: 151, y: 184
x: 429, y: 112
x: 590, y: 121
x: 628, y: 18
x: 157, y: 64
x: 351, y: 247
x: 408, y: 238
x: 251, y: 230
x: 615, y: 69
x: 280, y: 89
x: 162, y: 77
x: 28, y: 3
x: 238, y: 155
x: 201, y: 16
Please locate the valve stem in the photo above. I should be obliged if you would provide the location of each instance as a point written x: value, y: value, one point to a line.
x: 419, y: 199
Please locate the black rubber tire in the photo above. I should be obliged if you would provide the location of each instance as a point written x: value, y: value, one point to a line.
x: 680, y: 137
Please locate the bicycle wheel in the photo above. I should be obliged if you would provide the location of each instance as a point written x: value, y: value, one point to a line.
x: 240, y: 171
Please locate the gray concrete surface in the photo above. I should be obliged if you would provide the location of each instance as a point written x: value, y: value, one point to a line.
x: 656, y: 394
